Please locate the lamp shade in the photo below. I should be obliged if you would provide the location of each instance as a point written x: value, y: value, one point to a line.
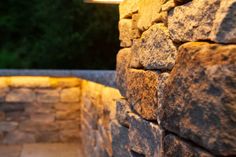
x: 103, y: 1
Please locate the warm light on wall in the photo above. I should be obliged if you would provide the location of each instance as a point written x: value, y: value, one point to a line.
x: 103, y: 1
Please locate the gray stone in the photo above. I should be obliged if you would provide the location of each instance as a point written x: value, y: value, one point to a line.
x: 145, y: 137
x: 204, y: 20
x: 173, y: 146
x: 141, y: 92
x: 155, y: 49
x: 120, y: 140
x: 12, y: 107
x: 199, y: 98
x: 20, y: 95
x: 122, y: 110
x: 224, y: 29
x: 8, y: 126
x: 18, y: 137
x: 122, y: 63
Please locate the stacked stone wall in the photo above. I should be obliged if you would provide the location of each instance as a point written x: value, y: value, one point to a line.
x: 177, y: 73
x: 39, y: 109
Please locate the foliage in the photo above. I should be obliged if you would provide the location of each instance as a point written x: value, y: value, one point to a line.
x: 57, y: 34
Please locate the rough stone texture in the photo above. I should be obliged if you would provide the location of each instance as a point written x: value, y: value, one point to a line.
x: 20, y: 95
x: 199, y: 102
x: 122, y: 63
x: 30, y: 82
x: 125, y: 29
x: 149, y: 12
x: 174, y: 146
x: 70, y: 95
x: 122, y: 110
x: 145, y: 137
x: 224, y: 29
x: 18, y: 137
x: 48, y: 96
x: 142, y: 92
x: 155, y: 49
x: 194, y: 21
x: 135, y: 31
x: 120, y: 140
x: 127, y: 8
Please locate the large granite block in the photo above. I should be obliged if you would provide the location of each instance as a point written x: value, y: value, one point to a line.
x: 145, y: 137
x: 154, y: 50
x: 174, y: 146
x: 199, y: 101
x: 204, y: 20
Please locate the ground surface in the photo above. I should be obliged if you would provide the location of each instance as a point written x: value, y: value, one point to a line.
x: 41, y: 150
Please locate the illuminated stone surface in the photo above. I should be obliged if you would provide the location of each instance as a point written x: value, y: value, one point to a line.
x: 48, y: 95
x: 142, y: 92
x: 20, y: 95
x: 70, y: 94
x: 125, y: 28
x: 174, y: 145
x: 122, y: 63
x: 127, y: 8
x: 154, y: 49
x: 203, y: 20
x: 145, y: 137
x: 149, y: 12
x: 200, y: 96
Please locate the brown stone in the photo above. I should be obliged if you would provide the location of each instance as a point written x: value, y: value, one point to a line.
x: 145, y: 137
x: 20, y: 95
x: 3, y: 93
x: 149, y: 13
x: 135, y: 31
x: 48, y: 95
x: 18, y: 137
x: 47, y: 137
x: 122, y: 110
x: 175, y: 146
x: 199, y: 101
x: 2, y: 116
x: 122, y: 63
x: 155, y: 49
x: 65, y: 82
x: 70, y: 135
x: 43, y: 118
x: 127, y: 8
x: 142, y: 92
x: 203, y: 20
x: 8, y: 126
x: 125, y: 29
x: 35, y: 127
x: 70, y: 94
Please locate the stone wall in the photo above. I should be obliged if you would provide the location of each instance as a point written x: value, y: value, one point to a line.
x: 39, y: 109
x: 177, y: 74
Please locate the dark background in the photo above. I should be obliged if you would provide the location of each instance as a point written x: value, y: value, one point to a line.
x: 57, y: 34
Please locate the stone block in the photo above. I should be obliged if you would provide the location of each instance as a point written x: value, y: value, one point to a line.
x: 65, y: 82
x: 155, y: 49
x: 43, y: 118
x: 125, y: 29
x: 127, y: 8
x: 142, y: 92
x: 145, y: 137
x: 29, y: 82
x: 70, y: 94
x: 18, y: 137
x: 69, y: 124
x: 136, y: 33
x: 3, y: 93
x: 48, y: 95
x: 173, y: 146
x: 67, y: 106
x: 199, y: 97
x: 47, y: 137
x: 2, y: 116
x: 122, y: 63
x: 20, y: 95
x: 149, y: 12
x: 8, y: 126
x: 203, y: 20
x: 12, y: 107
x: 120, y: 140
x: 70, y: 135
x: 67, y: 115
x: 35, y: 127
x: 122, y: 110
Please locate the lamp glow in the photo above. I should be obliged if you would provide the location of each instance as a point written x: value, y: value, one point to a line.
x: 103, y: 1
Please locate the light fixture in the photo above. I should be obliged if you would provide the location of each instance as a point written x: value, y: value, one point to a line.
x: 104, y: 1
